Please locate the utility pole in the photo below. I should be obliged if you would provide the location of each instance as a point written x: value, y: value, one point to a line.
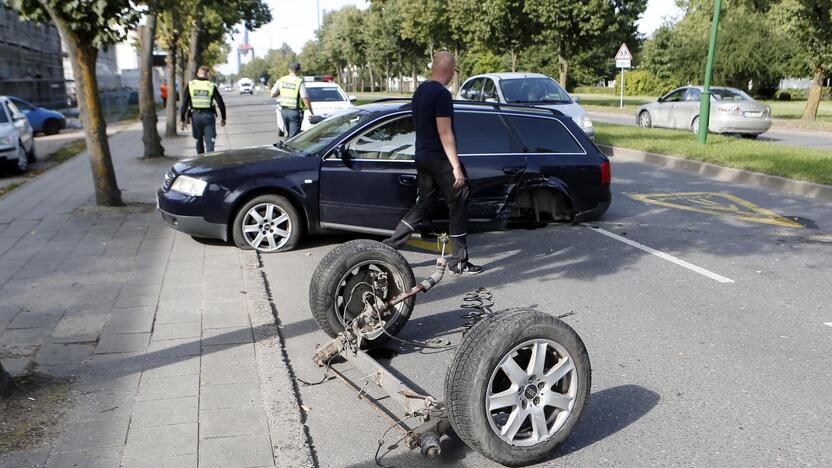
x: 705, y: 104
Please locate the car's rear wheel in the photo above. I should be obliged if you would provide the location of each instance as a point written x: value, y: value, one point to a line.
x: 694, y: 126
x: 51, y: 127
x: 644, y: 120
x: 268, y: 224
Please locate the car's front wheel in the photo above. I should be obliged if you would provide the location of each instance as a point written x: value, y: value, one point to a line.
x: 268, y: 223
x: 644, y: 120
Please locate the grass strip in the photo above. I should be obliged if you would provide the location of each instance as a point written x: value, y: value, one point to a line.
x: 794, y: 163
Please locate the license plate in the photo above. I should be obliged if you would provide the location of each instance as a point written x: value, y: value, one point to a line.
x: 753, y: 114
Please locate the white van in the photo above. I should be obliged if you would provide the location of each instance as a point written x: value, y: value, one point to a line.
x: 246, y: 86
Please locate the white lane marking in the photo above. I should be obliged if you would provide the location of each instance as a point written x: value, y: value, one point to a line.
x: 664, y: 256
x: 828, y: 324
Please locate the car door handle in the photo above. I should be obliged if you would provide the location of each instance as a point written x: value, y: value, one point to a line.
x: 407, y: 179
x: 512, y: 170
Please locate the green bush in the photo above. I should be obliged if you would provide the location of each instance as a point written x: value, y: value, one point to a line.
x: 593, y: 90
x: 642, y: 83
x: 802, y: 94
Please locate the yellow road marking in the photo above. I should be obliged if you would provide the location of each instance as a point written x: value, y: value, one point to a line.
x: 717, y: 204
x: 434, y: 246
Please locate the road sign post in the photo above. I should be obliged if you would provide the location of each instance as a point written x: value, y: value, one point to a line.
x: 623, y: 60
x: 705, y: 103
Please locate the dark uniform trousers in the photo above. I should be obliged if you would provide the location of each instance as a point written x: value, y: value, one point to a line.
x: 291, y: 121
x: 204, y: 127
x: 435, y: 176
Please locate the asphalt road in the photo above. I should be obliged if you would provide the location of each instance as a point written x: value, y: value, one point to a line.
x: 807, y: 139
x: 720, y: 361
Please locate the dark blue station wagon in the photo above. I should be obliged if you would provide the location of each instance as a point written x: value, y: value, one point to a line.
x: 355, y: 172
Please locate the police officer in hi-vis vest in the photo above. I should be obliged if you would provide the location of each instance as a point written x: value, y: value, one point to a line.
x: 198, y: 109
x: 292, y: 97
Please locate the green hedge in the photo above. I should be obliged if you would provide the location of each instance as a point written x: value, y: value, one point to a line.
x: 643, y: 83
x: 800, y: 94
x: 593, y: 90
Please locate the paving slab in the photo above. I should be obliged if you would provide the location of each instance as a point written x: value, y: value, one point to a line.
x: 165, y: 412
x: 252, y: 450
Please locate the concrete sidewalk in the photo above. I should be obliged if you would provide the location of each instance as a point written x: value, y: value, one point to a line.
x: 169, y: 343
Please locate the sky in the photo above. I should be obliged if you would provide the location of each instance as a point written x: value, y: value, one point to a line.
x: 295, y: 23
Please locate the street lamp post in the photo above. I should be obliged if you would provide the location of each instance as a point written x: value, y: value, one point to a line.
x: 705, y: 105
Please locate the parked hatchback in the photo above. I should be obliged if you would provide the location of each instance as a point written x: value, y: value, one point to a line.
x: 355, y: 172
x: 526, y: 89
x: 41, y: 119
x: 732, y: 111
x: 17, y: 142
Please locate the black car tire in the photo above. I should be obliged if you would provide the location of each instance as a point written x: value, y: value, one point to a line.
x: 644, y: 120
x: 22, y: 164
x: 284, y: 205
x: 30, y: 155
x: 694, y: 126
x: 51, y: 127
x: 332, y: 278
x: 473, y: 371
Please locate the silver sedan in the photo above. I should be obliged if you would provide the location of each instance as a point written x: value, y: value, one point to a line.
x: 732, y: 111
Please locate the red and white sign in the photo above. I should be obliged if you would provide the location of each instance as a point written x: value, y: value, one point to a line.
x: 623, y: 58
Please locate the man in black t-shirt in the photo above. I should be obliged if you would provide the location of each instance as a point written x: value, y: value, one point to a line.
x: 438, y: 166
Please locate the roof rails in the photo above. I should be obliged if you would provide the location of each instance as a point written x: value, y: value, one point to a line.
x: 498, y: 106
x: 494, y: 105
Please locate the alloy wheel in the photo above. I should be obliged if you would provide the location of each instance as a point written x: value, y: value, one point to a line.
x: 531, y: 393
x: 267, y: 227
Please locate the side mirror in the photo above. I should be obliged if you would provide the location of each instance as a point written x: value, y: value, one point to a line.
x: 576, y: 98
x: 660, y: 100
x: 340, y: 152
x: 352, y: 98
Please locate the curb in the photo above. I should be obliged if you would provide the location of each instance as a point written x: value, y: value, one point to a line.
x: 289, y: 435
x: 724, y: 174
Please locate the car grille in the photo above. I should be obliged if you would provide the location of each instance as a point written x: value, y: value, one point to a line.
x: 169, y: 177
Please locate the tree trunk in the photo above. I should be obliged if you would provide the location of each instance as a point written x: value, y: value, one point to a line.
x: 194, y: 45
x: 564, y: 70
x: 455, y: 81
x: 182, y: 63
x: 83, y: 59
x: 147, y: 104
x: 513, y: 60
x: 810, y: 113
x: 170, y: 108
x: 107, y: 192
x: 5, y: 382
x: 372, y: 78
x: 415, y: 76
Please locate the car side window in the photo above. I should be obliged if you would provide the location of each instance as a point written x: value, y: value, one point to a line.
x: 693, y: 95
x: 481, y: 133
x: 489, y: 91
x: 23, y: 105
x: 14, y: 114
x: 544, y: 135
x: 395, y: 140
x: 675, y: 96
x: 474, y: 92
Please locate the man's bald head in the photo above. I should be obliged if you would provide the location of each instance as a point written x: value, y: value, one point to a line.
x: 442, y: 69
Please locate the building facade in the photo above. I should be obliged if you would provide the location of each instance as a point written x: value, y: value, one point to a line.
x: 31, y: 61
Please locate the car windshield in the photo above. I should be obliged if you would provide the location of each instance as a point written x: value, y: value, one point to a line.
x: 534, y: 90
x: 728, y: 94
x: 328, y: 94
x: 320, y: 136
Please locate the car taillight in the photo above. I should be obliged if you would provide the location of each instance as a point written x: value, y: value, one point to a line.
x: 606, y: 173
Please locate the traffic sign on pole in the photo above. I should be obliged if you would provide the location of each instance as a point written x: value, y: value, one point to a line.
x: 623, y: 60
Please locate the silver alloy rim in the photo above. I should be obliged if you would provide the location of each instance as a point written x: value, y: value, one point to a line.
x: 531, y: 392
x: 694, y: 126
x: 267, y: 227
x: 350, y: 301
x: 22, y: 158
x: 644, y: 119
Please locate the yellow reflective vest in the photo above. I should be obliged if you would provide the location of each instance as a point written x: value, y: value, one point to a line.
x: 201, y: 92
x: 289, y: 92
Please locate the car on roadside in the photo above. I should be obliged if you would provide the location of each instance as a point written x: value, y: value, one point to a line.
x: 41, y: 119
x: 326, y: 99
x: 355, y: 171
x: 245, y: 86
x: 732, y: 111
x: 532, y: 89
x: 17, y: 140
